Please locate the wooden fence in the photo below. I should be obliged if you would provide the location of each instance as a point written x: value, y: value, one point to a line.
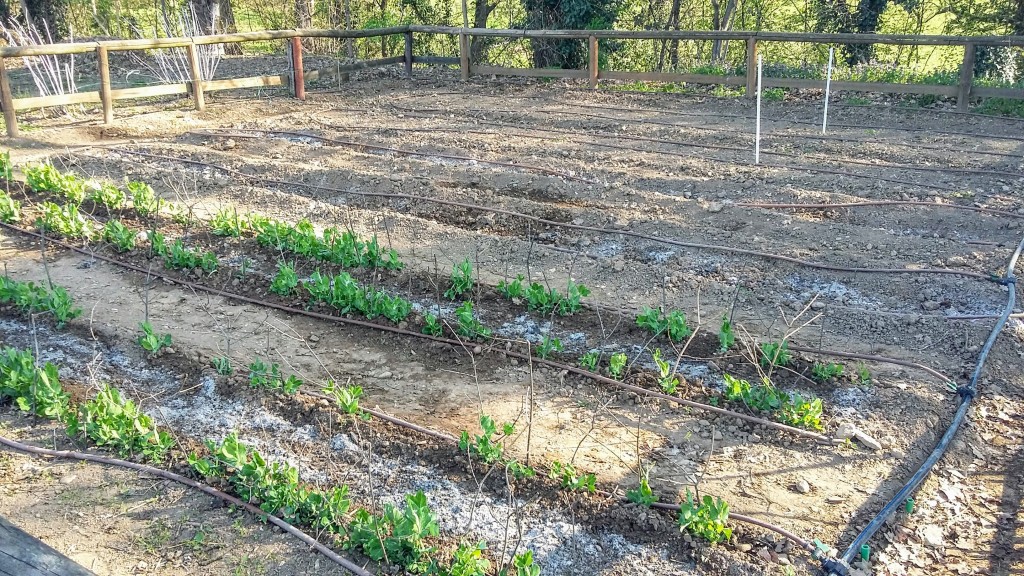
x: 296, y: 78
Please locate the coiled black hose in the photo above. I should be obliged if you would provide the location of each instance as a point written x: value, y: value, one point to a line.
x: 841, y: 567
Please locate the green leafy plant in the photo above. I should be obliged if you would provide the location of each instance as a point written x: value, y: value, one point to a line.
x: 590, y: 360
x: 10, y: 209
x: 107, y: 195
x: 825, y: 372
x: 775, y: 354
x: 150, y: 341
x: 338, y: 247
x: 570, y: 479
x: 144, y: 200
x: 547, y: 346
x: 468, y: 560
x: 617, y: 365
x: 157, y: 243
x: 666, y: 379
x: 572, y: 302
x: 29, y: 298
x: 523, y: 565
x: 122, y: 237
x: 792, y: 409
x: 64, y: 220
x: 863, y: 375
x: 180, y: 257
x: 432, y: 326
x: 222, y: 364
x: 706, y: 518
x: 489, y: 449
x: 461, y: 280
x: 47, y: 178
x: 773, y: 94
x: 6, y: 167
x: 643, y: 494
x: 673, y: 324
x: 111, y: 420
x: 726, y: 337
x: 226, y: 222
x: 271, y: 378
x: 400, y: 534
x: 286, y: 280
x: 31, y: 388
x: 274, y: 486
x: 346, y: 397
x: 512, y: 290
x: 469, y: 326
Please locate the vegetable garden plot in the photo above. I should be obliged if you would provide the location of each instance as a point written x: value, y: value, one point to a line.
x: 638, y: 292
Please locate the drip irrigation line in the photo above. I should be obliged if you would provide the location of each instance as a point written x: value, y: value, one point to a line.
x: 864, y: 203
x: 967, y: 394
x: 168, y: 475
x: 821, y: 438
x: 238, y: 133
x: 568, y: 225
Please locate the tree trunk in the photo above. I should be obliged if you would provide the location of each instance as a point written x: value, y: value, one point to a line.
x: 303, y: 14
x: 50, y: 18
x: 227, y: 26
x: 481, y: 12
x: 673, y: 24
x: 721, y: 20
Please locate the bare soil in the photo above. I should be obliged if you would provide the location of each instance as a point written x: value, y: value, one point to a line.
x: 664, y: 166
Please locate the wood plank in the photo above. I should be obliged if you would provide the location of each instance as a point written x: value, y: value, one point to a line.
x: 149, y: 91
x: 249, y: 82
x: 671, y: 77
x: 751, y: 78
x: 332, y: 71
x: 530, y: 72
x: 408, y: 55
x: 882, y: 87
x: 985, y: 92
x: 592, y: 63
x: 57, y: 100
x: 24, y: 555
x: 464, y: 57
x: 963, y: 96
x: 441, y: 60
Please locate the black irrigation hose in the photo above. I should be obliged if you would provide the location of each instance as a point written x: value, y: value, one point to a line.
x: 567, y: 225
x: 168, y: 475
x: 967, y: 393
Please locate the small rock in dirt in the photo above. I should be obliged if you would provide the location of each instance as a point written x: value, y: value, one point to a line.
x: 931, y: 305
x: 803, y: 487
x: 716, y: 436
x: 868, y: 441
x: 68, y: 479
x: 835, y: 499
x: 314, y: 338
x: 715, y: 207
x: 477, y: 350
x: 846, y: 431
x: 784, y: 560
x: 744, y: 547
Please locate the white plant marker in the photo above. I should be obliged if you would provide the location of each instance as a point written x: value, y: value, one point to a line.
x: 828, y: 88
x: 757, y: 129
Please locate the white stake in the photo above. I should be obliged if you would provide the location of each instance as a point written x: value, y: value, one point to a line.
x: 757, y: 129
x: 828, y: 88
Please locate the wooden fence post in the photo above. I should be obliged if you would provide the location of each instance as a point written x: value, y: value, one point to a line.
x: 963, y: 98
x: 751, y: 67
x: 197, y: 77
x: 298, y: 77
x: 104, y: 65
x: 593, y: 62
x: 408, y: 54
x: 7, y: 101
x: 464, y: 56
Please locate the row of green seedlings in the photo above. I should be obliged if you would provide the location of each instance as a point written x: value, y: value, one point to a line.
x: 706, y: 517
x: 344, y: 248
x: 33, y: 299
x: 398, y: 536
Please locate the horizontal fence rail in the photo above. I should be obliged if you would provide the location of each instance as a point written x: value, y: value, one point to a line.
x: 296, y: 77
